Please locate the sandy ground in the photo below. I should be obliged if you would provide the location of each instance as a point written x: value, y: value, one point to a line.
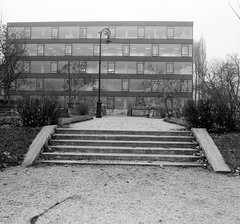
x: 127, y: 123
x: 118, y: 194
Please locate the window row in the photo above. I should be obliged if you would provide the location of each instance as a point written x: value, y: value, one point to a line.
x: 122, y: 85
x: 153, y: 50
x: 110, y: 67
x: 140, y: 32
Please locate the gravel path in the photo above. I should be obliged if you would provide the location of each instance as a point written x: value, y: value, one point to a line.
x: 127, y: 123
x: 118, y: 194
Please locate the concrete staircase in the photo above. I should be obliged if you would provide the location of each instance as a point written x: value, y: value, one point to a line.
x: 74, y: 146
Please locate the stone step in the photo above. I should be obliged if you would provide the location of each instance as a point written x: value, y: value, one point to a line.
x: 123, y: 132
x: 124, y: 137
x: 125, y: 163
x: 111, y: 149
x: 125, y: 143
x: 120, y: 156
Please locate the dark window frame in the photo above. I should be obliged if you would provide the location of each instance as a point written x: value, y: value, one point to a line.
x: 157, y: 47
x: 66, y: 52
x: 138, y: 71
x: 139, y: 30
x: 52, y: 63
x: 183, y: 46
x: 123, y: 89
x: 167, y: 70
x: 83, y: 29
x: 109, y: 69
x: 170, y: 28
x: 42, y: 82
x: 40, y: 53
x: 128, y: 50
x: 55, y: 28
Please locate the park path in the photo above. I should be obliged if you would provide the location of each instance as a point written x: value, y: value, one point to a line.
x: 127, y: 123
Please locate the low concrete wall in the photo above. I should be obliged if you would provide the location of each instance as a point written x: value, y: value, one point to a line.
x: 213, y: 155
x: 38, y: 144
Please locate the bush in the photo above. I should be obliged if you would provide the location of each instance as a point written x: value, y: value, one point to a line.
x: 39, y: 112
x: 211, y: 115
x: 83, y: 109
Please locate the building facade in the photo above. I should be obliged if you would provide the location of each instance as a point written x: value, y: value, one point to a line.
x: 145, y: 61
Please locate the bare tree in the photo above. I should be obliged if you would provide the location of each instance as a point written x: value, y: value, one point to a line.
x: 76, y: 78
x: 200, y: 67
x: 13, y: 58
x: 234, y: 9
x: 222, y: 82
x: 166, y: 90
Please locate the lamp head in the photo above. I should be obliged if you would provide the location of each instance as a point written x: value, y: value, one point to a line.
x: 108, y: 41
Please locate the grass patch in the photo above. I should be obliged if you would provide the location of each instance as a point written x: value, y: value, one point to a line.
x: 14, y: 144
x: 228, y: 144
x: 15, y: 141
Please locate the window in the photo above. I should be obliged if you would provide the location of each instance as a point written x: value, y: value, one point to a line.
x: 140, y: 67
x: 140, y: 50
x: 27, y: 32
x: 125, y: 67
x: 92, y: 67
x: 41, y: 33
x: 96, y: 49
x: 111, y: 85
x: 170, y: 32
x: 155, y: 32
x: 113, y: 31
x: 170, y: 50
x: 158, y: 68
x: 183, y: 68
x: 26, y: 65
x: 112, y: 49
x: 82, y: 50
x: 40, y: 49
x: 54, y: 84
x: 140, y: 32
x: 31, y: 49
x: 155, y: 86
x: 139, y: 85
x: 126, y: 49
x: 39, y: 84
x: 185, y: 50
x: 80, y: 66
x: 169, y: 67
x: 111, y: 67
x: 68, y: 49
x: 93, y: 31
x: 54, y: 32
x: 54, y: 66
x: 126, y: 32
x: 183, y: 32
x: 184, y: 85
x: 69, y: 32
x: 95, y: 85
x: 125, y: 85
x: 54, y: 49
x: 83, y: 32
x: 155, y: 50
x: 40, y: 66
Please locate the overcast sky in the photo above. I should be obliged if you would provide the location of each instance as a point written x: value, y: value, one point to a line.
x: 213, y: 19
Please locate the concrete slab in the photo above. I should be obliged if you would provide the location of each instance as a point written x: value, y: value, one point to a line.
x: 37, y: 145
x: 213, y: 155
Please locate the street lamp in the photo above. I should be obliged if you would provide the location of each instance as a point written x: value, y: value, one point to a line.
x: 107, y: 32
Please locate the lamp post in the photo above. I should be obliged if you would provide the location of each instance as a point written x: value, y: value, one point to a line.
x: 107, y: 32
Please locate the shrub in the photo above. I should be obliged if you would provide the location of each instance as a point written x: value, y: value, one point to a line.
x: 39, y: 112
x: 211, y: 115
x: 83, y: 109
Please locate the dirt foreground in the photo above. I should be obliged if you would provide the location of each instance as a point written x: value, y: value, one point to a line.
x: 118, y: 194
